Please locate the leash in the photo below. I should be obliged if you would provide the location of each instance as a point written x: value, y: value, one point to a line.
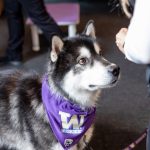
x: 146, y: 133
x: 137, y: 141
x: 130, y: 146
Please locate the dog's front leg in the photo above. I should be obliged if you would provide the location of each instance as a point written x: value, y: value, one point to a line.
x: 86, y: 138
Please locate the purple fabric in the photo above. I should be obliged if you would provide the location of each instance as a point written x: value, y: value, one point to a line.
x: 67, y: 120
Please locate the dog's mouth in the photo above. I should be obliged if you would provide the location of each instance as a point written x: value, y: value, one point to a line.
x: 114, y: 81
x: 92, y: 86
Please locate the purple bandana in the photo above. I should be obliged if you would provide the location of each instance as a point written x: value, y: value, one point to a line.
x: 67, y: 120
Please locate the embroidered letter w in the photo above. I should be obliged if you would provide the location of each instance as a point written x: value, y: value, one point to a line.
x: 74, y: 121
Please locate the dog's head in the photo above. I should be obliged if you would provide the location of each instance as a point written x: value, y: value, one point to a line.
x: 78, y: 68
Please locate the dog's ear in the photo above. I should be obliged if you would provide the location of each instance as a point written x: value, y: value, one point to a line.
x: 57, y: 45
x: 90, y: 29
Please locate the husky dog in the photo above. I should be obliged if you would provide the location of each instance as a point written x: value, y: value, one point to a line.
x: 76, y: 71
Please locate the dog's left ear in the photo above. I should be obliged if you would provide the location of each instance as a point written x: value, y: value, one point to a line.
x: 90, y: 29
x: 57, y: 45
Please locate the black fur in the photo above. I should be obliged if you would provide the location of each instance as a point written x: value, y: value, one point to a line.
x: 27, y: 87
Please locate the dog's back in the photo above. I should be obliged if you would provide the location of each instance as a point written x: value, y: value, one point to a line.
x: 22, y: 118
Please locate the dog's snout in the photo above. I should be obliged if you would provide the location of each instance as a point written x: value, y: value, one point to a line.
x: 114, y: 69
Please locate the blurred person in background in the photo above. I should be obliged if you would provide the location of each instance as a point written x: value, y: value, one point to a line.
x: 1, y: 7
x: 37, y: 12
x: 134, y: 42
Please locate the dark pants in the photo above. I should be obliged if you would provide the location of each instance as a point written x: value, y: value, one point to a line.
x: 36, y: 11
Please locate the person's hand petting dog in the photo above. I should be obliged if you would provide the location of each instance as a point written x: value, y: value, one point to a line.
x: 120, y: 39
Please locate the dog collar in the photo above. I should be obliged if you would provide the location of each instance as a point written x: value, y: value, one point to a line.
x: 67, y: 120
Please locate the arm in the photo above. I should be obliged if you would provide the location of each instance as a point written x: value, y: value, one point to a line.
x: 137, y: 41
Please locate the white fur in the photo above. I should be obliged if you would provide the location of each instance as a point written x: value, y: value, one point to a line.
x: 77, y: 85
x: 96, y: 75
x: 39, y: 110
x: 22, y: 143
x: 84, y: 52
x: 59, y: 147
x: 14, y: 110
x: 73, y: 87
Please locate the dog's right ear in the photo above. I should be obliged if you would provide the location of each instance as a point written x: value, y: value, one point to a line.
x: 57, y: 45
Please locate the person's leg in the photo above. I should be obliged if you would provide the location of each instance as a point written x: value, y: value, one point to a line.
x: 37, y: 12
x: 16, y: 30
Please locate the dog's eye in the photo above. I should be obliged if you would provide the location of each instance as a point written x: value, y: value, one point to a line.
x: 83, y: 61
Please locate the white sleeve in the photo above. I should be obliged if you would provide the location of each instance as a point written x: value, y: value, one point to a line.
x: 137, y: 42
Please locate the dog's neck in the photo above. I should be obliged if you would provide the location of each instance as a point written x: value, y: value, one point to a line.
x: 66, y: 117
x: 82, y: 97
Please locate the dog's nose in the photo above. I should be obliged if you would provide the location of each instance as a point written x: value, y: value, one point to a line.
x: 114, y: 69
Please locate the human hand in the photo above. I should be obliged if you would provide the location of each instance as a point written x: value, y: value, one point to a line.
x: 120, y: 39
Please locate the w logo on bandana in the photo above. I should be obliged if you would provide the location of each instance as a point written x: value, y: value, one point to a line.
x: 71, y: 124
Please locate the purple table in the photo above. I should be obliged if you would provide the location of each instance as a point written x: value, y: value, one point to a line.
x: 65, y: 14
